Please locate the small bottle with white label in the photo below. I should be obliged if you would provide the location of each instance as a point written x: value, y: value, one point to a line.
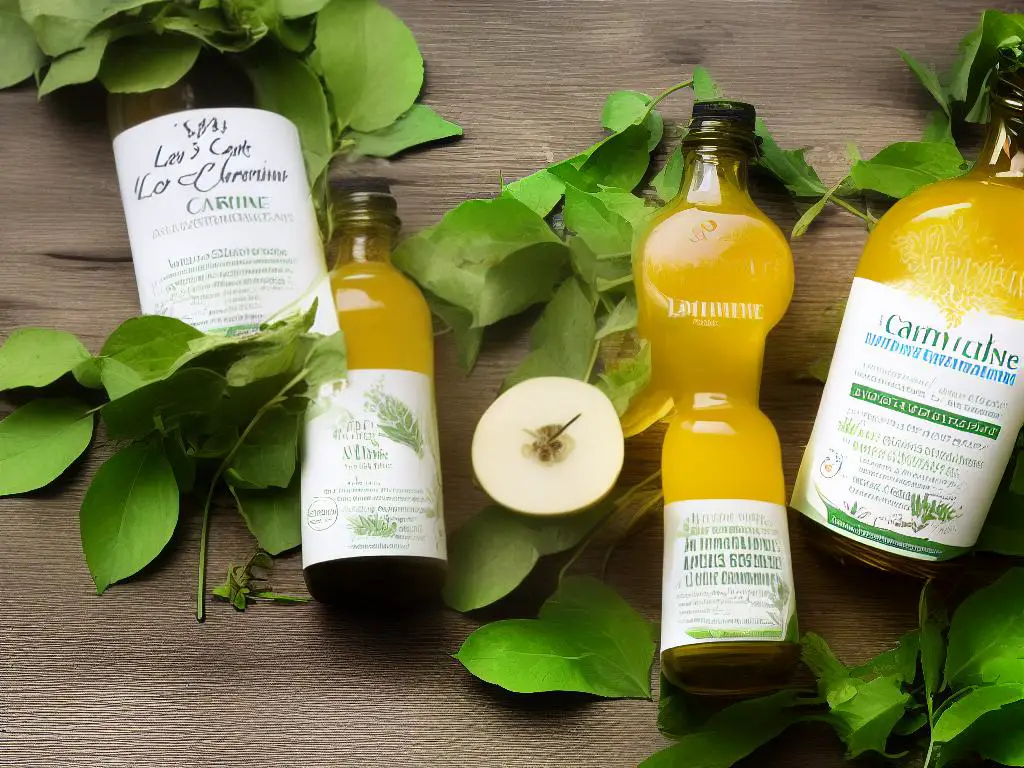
x: 221, y: 221
x: 372, y: 513
x: 713, y: 276
x: 925, y: 396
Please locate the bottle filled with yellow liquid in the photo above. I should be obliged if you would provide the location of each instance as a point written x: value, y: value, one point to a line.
x: 713, y: 276
x: 372, y: 517
x: 924, y: 398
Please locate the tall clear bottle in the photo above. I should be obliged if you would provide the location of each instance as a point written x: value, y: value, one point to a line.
x: 924, y: 397
x: 372, y: 515
x: 713, y: 276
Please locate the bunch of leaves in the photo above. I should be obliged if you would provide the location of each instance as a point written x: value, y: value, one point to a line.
x: 562, y: 238
x: 962, y: 97
x: 346, y: 72
x: 185, y: 411
x: 250, y: 583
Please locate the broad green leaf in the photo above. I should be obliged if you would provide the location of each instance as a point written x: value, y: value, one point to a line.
x: 183, y: 465
x: 295, y: 35
x: 263, y: 364
x: 35, y: 357
x: 468, y: 339
x: 938, y: 128
x: 139, y: 64
x: 150, y: 345
x: 678, y: 714
x: 704, y: 86
x: 129, y: 513
x: 731, y: 734
x: 1003, y: 531
x: 906, y: 166
x: 283, y: 83
x: 20, y: 56
x: 901, y: 661
x: 294, y: 9
x: 79, y: 66
x: 494, y: 258
x: 987, y: 633
x: 327, y: 360
x: 420, y: 125
x: 117, y: 378
x: 491, y: 554
x: 929, y: 79
x: 209, y: 26
x: 63, y: 25
x: 370, y: 61
x: 267, y: 456
x: 627, y: 378
x: 995, y: 735
x: 39, y: 441
x: 161, y: 404
x: 933, y: 621
x: 540, y: 191
x: 587, y: 639
x: 621, y: 318
x: 964, y: 711
x: 620, y: 161
x: 562, y: 342
x: 624, y: 108
x: 669, y: 179
x: 788, y: 165
x: 979, y: 51
x: 272, y: 516
x: 597, y: 271
x: 604, y: 231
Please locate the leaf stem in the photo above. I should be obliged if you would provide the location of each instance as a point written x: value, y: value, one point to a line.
x: 657, y: 99
x: 863, y: 215
x: 593, y: 360
x: 639, y: 515
x: 204, y: 534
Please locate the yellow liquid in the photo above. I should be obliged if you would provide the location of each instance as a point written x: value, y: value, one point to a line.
x: 946, y: 242
x: 387, y: 325
x: 713, y: 245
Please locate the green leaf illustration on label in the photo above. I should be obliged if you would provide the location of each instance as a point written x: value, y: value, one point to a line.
x: 395, y: 420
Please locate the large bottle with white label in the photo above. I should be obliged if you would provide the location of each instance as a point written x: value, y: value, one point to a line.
x: 713, y: 276
x: 220, y: 218
x: 924, y: 397
x: 372, y: 513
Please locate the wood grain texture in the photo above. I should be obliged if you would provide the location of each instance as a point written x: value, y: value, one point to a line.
x: 129, y: 679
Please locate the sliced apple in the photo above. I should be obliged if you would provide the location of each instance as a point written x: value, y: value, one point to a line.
x: 548, y: 446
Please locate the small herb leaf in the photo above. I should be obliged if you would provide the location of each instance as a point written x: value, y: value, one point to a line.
x: 39, y: 441
x: 35, y: 357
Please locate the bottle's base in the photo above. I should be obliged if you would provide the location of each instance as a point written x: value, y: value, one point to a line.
x: 732, y: 668
x: 369, y: 583
x: 845, y: 550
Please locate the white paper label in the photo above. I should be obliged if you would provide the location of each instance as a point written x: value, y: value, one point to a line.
x: 371, y: 470
x: 728, y: 573
x: 916, y: 423
x: 220, y: 220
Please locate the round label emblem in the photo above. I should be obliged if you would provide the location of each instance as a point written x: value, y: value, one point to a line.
x: 322, y: 513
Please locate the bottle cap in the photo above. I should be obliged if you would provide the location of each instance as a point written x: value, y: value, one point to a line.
x: 721, y: 123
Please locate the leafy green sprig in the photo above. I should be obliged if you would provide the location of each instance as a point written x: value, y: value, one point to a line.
x: 185, y: 410
x: 250, y: 583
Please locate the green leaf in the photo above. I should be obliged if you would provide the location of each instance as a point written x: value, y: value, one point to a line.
x: 39, y: 441
x: 540, y: 191
x: 938, y: 128
x: 605, y: 232
x: 669, y: 179
x: 1003, y: 531
x: 587, y: 639
x: 420, y: 125
x: 327, y: 360
x: 63, y: 25
x: 963, y: 712
x: 979, y: 52
x: 79, y: 66
x: 802, y: 224
x: 624, y: 108
x: 150, y: 345
x: 284, y: 84
x: 468, y: 339
x: 900, y: 661
x: 160, y: 404
x: 929, y: 79
x: 35, y: 357
x: 906, y: 166
x: 677, y: 713
x: 731, y: 734
x: 20, y: 56
x: 139, y: 64
x: 182, y: 463
x: 627, y: 378
x: 209, y: 26
x: 596, y: 271
x: 621, y: 318
x: 267, y: 457
x: 493, y: 258
x: 129, y: 513
x: 788, y: 165
x: 620, y: 161
x: 491, y: 554
x: 987, y: 633
x: 370, y: 61
x: 995, y: 735
x: 294, y: 9
x: 263, y: 364
x: 562, y: 342
x: 704, y: 86
x: 933, y: 621
x: 272, y: 516
x: 117, y: 378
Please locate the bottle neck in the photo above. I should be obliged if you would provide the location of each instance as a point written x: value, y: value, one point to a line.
x: 1002, y: 155
x: 364, y: 242
x: 710, y: 173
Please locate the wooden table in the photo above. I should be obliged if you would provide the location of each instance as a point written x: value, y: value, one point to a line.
x: 130, y: 679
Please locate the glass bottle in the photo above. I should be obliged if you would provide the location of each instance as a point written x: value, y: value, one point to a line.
x: 713, y: 275
x: 372, y: 522
x: 923, y: 404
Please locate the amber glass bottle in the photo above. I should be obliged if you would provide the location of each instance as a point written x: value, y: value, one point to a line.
x: 373, y: 523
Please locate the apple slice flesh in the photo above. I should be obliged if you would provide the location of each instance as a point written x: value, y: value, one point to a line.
x: 548, y: 446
